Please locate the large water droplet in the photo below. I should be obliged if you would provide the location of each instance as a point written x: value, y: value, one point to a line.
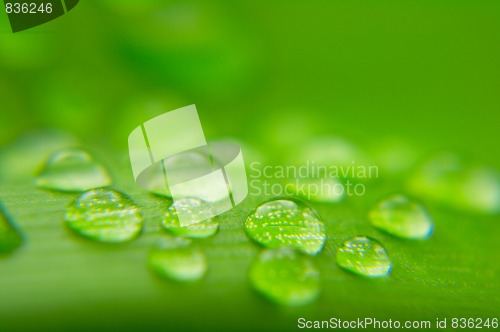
x: 285, y: 277
x: 286, y: 223
x: 446, y: 179
x: 323, y: 190
x: 177, y: 259
x: 105, y: 216
x: 365, y: 256
x: 72, y: 170
x: 402, y: 217
x: 10, y: 237
x: 199, y: 210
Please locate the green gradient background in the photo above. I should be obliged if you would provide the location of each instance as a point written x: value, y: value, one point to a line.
x: 271, y: 74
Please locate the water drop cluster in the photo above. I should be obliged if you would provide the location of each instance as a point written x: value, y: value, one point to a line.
x: 289, y: 231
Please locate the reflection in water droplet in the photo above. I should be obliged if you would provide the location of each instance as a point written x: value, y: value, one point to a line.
x: 10, y: 237
x: 72, y: 170
x: 177, y: 259
x: 447, y: 180
x: 402, y: 217
x: 105, y: 216
x: 199, y: 209
x: 286, y: 223
x: 365, y: 256
x: 285, y: 277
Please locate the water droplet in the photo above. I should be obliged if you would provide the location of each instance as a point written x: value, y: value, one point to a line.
x: 481, y: 191
x: 446, y: 179
x: 177, y: 259
x: 104, y: 215
x: 199, y: 210
x: 285, y: 277
x: 365, y: 256
x: 22, y: 159
x: 324, y: 190
x: 72, y: 170
x: 10, y: 237
x: 402, y: 217
x: 286, y: 223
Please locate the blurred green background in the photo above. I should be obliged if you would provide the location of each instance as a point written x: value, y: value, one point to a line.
x: 424, y: 75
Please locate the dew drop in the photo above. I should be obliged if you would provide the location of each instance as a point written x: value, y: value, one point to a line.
x: 23, y: 158
x: 105, y: 216
x: 286, y: 223
x: 72, y: 170
x: 285, y: 277
x: 402, y: 217
x: 177, y: 259
x: 198, y: 210
x: 365, y: 256
x: 10, y: 237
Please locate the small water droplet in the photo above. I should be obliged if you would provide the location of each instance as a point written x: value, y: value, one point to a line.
x: 446, y: 179
x: 324, y: 190
x: 72, y: 170
x: 10, y: 237
x: 22, y: 159
x: 199, y: 210
x: 286, y: 223
x: 402, y: 217
x: 365, y: 256
x: 285, y: 277
x: 177, y: 259
x: 104, y: 215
